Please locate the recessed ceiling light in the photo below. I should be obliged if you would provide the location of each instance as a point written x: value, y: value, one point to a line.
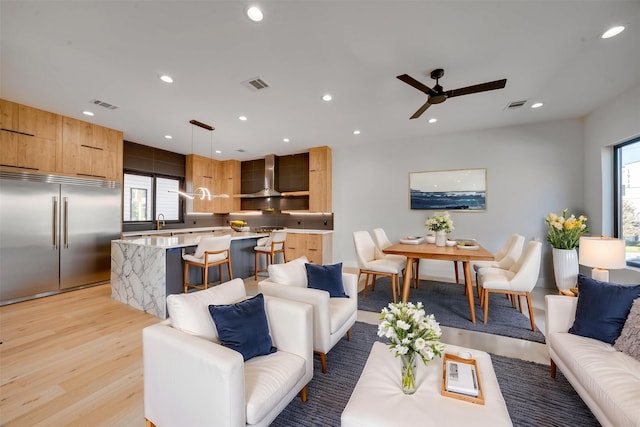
x: 255, y: 14
x: 356, y: 132
x: 168, y: 137
x: 433, y: 120
x: 88, y: 113
x: 327, y: 97
x: 218, y: 151
x: 612, y: 32
x: 165, y: 78
x: 537, y: 105
x: 243, y: 118
x: 285, y: 140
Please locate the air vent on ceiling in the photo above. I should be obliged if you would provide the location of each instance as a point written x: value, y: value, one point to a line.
x: 103, y: 104
x: 241, y: 150
x: 255, y: 84
x: 515, y: 104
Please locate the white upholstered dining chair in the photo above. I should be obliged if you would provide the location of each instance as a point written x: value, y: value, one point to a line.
x: 517, y: 281
x: 506, y: 256
x: 382, y: 241
x: 373, y: 263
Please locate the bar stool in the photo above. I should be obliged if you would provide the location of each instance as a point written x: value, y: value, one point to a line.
x: 211, y: 251
x: 270, y: 246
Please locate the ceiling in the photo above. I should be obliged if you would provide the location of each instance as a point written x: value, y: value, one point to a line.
x: 60, y: 55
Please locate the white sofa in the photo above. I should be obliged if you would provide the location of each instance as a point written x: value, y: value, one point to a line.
x: 192, y: 380
x: 607, y: 380
x: 332, y: 317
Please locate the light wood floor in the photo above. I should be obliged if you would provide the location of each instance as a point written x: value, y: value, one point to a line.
x: 72, y: 359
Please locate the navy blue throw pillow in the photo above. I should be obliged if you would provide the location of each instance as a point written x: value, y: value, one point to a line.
x: 602, y: 308
x: 243, y: 327
x: 326, y: 278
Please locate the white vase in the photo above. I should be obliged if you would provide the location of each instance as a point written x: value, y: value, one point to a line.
x: 565, y: 268
x: 441, y: 238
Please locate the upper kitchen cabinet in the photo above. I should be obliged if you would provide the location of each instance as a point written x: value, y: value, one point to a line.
x: 200, y: 173
x: 320, y: 179
x: 30, y: 138
x: 91, y: 150
x: 228, y: 176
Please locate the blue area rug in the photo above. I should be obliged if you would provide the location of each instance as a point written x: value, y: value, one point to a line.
x: 450, y: 306
x: 533, y: 398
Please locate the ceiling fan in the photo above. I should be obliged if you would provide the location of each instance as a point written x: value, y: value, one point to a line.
x: 438, y: 95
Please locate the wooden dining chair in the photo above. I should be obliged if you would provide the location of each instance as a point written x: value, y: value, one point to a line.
x: 210, y: 252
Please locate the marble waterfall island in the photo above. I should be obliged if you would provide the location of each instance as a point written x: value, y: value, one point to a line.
x: 145, y: 270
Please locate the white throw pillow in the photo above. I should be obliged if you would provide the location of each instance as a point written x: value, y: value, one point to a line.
x: 190, y: 312
x: 291, y: 273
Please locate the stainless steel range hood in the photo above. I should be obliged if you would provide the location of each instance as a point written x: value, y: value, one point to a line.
x: 269, y: 189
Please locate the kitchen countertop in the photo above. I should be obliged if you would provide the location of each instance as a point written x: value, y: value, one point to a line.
x: 187, y: 239
x: 174, y: 232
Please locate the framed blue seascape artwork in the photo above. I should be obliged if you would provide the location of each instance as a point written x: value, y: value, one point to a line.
x: 454, y: 190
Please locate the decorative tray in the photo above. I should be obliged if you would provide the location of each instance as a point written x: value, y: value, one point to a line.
x: 448, y: 357
x: 412, y: 240
x: 468, y: 244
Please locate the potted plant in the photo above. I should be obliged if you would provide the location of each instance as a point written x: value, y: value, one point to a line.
x: 442, y: 225
x: 564, y: 235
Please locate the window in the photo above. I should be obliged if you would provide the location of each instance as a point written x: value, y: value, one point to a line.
x: 147, y: 196
x: 627, y: 191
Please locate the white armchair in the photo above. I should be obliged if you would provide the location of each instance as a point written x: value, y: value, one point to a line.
x: 192, y: 380
x: 332, y: 317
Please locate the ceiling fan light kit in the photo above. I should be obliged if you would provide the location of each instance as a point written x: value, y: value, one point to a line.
x: 438, y: 95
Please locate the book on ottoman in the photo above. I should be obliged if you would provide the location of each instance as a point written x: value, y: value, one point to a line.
x: 461, y: 378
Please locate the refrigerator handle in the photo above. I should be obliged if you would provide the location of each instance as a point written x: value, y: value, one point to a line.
x: 55, y: 223
x: 66, y: 222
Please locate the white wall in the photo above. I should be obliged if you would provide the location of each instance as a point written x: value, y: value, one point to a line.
x: 531, y: 170
x: 614, y: 122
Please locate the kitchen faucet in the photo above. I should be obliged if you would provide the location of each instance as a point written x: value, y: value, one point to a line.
x: 160, y: 224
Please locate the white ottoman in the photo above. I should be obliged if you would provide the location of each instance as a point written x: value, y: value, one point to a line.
x: 377, y: 399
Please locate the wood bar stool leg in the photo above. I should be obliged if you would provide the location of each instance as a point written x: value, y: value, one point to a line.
x: 186, y: 277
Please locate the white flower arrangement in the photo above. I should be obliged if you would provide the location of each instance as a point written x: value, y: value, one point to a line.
x: 410, y: 330
x: 440, y: 222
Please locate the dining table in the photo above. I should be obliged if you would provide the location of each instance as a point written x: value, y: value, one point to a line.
x: 464, y: 254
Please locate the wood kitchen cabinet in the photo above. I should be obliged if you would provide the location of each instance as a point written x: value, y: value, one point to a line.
x: 30, y: 138
x: 320, y: 179
x: 228, y: 177
x: 317, y: 247
x: 90, y: 150
x: 219, y: 177
x: 199, y: 173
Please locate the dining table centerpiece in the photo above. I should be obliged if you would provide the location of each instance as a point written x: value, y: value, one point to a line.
x: 564, y: 235
x: 442, y: 225
x: 412, y: 334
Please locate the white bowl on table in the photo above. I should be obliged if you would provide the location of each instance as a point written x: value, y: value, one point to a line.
x: 451, y: 243
x: 430, y: 239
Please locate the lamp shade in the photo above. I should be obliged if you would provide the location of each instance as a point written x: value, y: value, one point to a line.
x: 602, y: 252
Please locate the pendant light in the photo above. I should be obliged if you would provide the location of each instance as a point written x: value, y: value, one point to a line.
x: 201, y: 192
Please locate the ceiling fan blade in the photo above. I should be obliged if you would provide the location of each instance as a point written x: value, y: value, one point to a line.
x: 420, y: 110
x: 416, y: 84
x: 483, y: 87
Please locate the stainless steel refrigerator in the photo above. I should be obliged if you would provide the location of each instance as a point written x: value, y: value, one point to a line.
x: 55, y: 233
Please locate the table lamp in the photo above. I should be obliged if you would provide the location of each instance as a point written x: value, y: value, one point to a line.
x: 601, y: 253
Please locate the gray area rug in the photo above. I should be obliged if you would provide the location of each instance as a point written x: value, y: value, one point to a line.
x: 451, y: 308
x: 533, y: 398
